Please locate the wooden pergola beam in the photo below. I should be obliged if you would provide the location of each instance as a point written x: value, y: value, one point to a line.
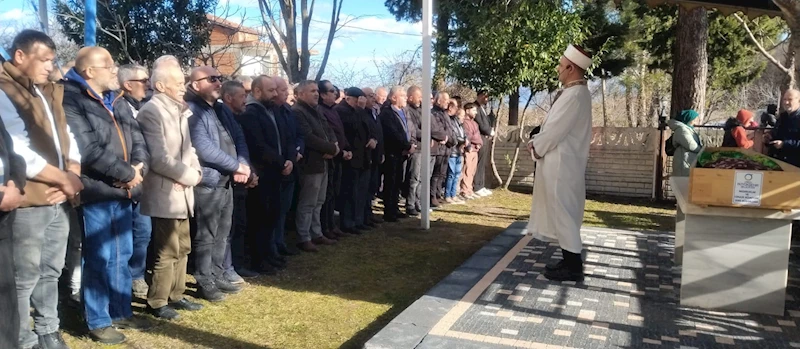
x: 751, y: 8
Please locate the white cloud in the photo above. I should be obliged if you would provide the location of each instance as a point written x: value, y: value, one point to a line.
x: 14, y: 14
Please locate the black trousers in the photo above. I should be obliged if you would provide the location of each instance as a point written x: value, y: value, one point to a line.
x: 483, y: 160
x: 438, y: 176
x: 9, y: 320
x: 263, y: 210
x: 327, y: 218
x: 211, y: 226
x: 392, y: 180
x: 235, y: 255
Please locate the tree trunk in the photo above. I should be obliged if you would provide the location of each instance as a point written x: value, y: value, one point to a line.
x: 644, y: 111
x: 629, y: 107
x: 690, y: 71
x: 520, y: 140
x: 441, y: 48
x: 603, y: 95
x: 513, y: 108
x: 494, y: 142
x: 790, y: 81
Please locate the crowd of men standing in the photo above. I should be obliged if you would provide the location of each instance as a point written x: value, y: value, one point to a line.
x: 111, y: 172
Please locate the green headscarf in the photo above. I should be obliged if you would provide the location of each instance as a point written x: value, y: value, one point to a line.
x: 687, y: 116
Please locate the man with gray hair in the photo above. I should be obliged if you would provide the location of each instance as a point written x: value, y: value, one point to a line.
x: 247, y: 83
x: 234, y: 95
x: 134, y: 83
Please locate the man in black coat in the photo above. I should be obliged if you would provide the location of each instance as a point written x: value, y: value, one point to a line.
x: 413, y: 164
x: 377, y: 157
x: 785, y: 138
x: 397, y: 147
x: 12, y: 180
x: 114, y: 161
x: 485, y: 122
x: 355, y: 173
x: 440, y: 135
x: 265, y: 141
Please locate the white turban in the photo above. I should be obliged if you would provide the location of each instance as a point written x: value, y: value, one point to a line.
x: 577, y: 57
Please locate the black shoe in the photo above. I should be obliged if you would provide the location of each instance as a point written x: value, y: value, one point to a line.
x: 52, y: 341
x: 390, y: 219
x: 286, y: 251
x: 107, y: 335
x: 401, y: 215
x: 166, y: 312
x: 354, y: 231
x: 266, y: 269
x: 210, y: 292
x: 363, y: 227
x: 276, y: 263
x: 226, y: 287
x: 564, y: 274
x: 133, y: 323
x: 412, y: 212
x: 371, y: 224
x: 185, y: 304
x: 554, y: 266
x: 246, y: 273
x: 377, y: 220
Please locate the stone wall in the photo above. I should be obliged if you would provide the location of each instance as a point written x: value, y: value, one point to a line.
x: 621, y: 160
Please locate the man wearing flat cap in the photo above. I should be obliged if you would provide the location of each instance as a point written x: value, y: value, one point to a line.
x: 561, y: 150
x: 355, y: 173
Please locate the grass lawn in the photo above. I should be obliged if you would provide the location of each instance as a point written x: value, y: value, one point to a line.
x: 343, y: 295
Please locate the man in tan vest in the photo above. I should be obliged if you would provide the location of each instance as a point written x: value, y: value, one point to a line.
x: 167, y: 194
x: 35, y: 120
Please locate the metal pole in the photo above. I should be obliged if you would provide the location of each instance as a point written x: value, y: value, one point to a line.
x: 90, y: 28
x: 427, y: 26
x: 43, y: 16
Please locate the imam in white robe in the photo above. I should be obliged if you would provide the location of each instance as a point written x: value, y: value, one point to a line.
x: 559, y: 190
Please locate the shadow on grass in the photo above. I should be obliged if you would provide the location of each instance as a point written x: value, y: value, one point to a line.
x: 390, y: 267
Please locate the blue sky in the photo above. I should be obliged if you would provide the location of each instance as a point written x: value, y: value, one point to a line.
x: 371, y: 33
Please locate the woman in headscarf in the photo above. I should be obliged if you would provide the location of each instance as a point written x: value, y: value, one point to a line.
x: 686, y: 142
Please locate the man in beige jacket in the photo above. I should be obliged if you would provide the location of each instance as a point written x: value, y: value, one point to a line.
x: 167, y: 190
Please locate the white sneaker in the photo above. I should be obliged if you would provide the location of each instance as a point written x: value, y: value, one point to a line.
x: 487, y: 191
x: 482, y: 192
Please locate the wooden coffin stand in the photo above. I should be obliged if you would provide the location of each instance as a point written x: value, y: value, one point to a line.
x: 732, y: 236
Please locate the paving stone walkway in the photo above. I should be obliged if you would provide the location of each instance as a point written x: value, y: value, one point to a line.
x: 630, y: 299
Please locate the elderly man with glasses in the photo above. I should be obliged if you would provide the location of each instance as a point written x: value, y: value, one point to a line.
x: 134, y: 83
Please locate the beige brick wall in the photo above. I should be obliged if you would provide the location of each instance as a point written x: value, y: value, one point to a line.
x: 621, y: 161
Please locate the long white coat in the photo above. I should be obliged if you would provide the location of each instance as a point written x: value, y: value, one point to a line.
x: 559, y: 190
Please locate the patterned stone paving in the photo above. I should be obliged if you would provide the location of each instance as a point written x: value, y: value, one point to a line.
x: 630, y: 298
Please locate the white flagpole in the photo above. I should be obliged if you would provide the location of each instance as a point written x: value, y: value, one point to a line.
x: 425, y: 175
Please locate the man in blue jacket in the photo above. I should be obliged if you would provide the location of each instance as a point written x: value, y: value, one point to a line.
x: 214, y: 136
x: 113, y: 165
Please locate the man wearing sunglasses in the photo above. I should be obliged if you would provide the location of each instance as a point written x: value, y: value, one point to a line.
x: 134, y: 83
x: 216, y: 137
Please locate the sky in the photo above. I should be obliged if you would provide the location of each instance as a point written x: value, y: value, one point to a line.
x: 371, y: 31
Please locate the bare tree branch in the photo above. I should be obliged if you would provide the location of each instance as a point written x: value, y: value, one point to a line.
x: 758, y: 44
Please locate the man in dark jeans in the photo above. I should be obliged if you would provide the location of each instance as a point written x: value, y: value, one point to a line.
x: 414, y: 162
x: 214, y: 137
x: 293, y: 143
x: 377, y: 158
x: 12, y: 180
x: 398, y: 146
x: 234, y: 96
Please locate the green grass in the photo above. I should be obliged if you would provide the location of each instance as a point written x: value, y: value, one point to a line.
x: 343, y: 295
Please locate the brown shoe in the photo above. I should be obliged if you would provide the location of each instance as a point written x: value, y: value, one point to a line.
x: 322, y: 240
x: 307, y: 246
x: 330, y: 235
